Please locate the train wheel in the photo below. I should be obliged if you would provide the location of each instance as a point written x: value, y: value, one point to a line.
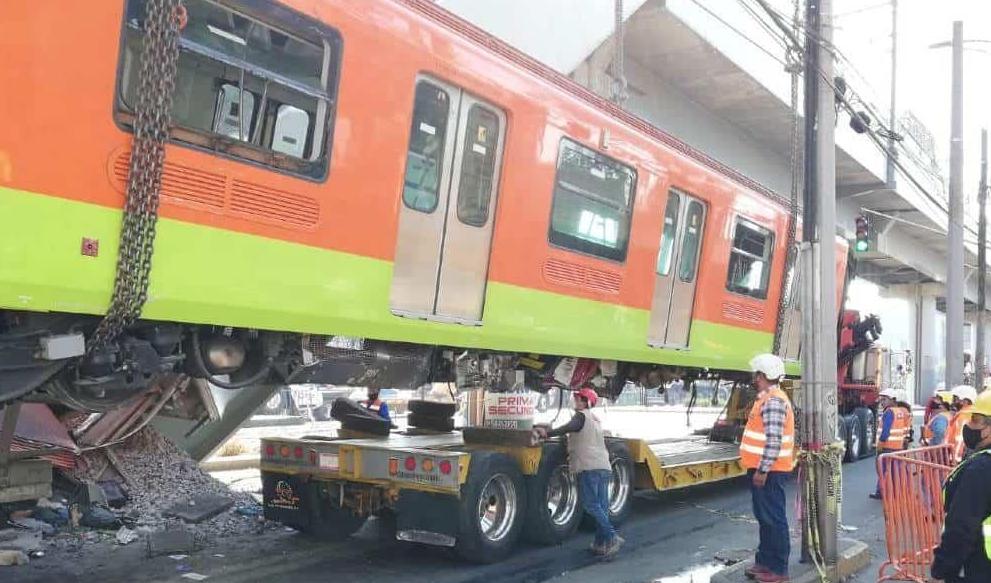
x: 493, y: 508
x: 553, y: 513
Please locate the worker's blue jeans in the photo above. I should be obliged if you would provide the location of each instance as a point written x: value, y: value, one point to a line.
x: 593, y: 491
x: 769, y: 510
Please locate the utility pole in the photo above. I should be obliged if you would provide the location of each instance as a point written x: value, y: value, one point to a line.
x: 954, y: 279
x: 819, y: 318
x: 982, y: 269
x: 893, y: 114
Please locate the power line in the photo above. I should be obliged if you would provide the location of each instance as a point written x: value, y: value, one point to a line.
x: 740, y: 33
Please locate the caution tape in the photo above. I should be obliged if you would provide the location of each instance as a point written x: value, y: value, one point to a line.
x: 811, y: 464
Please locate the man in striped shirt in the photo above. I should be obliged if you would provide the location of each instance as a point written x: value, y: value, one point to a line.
x: 767, y: 450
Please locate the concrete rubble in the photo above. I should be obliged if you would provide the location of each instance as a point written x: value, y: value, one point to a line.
x: 141, y: 490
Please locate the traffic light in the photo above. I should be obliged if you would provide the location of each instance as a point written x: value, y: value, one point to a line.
x: 863, y: 244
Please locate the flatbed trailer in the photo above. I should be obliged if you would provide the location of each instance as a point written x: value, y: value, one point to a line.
x: 475, y: 490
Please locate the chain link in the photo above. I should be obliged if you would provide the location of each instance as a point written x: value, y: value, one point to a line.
x: 153, y: 107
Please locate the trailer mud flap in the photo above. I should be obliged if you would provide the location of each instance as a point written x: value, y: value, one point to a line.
x: 286, y: 499
x: 427, y: 518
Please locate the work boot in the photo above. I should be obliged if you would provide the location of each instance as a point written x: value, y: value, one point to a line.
x: 769, y: 577
x: 612, y: 547
x: 875, y: 495
x: 596, y: 548
x: 754, y: 570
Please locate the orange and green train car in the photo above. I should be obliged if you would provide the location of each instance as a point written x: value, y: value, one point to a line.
x: 378, y: 172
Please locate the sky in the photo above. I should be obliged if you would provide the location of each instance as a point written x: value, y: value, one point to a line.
x: 863, y: 35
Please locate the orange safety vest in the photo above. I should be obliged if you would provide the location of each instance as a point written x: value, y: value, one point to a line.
x: 954, y: 433
x: 927, y: 430
x: 755, y: 438
x: 900, y: 427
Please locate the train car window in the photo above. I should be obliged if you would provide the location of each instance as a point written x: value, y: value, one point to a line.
x: 259, y: 87
x: 478, y: 166
x: 593, y: 197
x: 669, y: 234
x: 750, y: 260
x: 424, y: 159
x: 691, y: 241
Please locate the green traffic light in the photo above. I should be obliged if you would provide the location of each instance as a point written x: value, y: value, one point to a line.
x: 861, y: 246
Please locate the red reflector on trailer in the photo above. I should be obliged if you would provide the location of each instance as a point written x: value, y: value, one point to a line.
x: 298, y: 452
x: 445, y: 467
x: 410, y: 464
x: 270, y: 450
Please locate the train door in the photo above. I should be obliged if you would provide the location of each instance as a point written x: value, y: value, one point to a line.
x: 676, y: 271
x: 447, y: 209
x: 791, y: 326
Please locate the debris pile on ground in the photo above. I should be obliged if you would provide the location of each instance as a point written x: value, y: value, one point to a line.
x: 159, y: 487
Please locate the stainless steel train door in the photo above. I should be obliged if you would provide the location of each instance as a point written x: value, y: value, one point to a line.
x: 676, y: 272
x: 448, y: 205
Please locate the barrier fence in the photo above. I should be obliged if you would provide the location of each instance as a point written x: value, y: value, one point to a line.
x: 911, y: 489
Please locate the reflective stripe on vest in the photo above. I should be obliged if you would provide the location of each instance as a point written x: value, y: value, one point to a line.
x: 986, y: 529
x: 755, y: 438
x: 900, y: 426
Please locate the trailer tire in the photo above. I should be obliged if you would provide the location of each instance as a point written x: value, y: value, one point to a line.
x: 430, y: 408
x: 868, y: 421
x: 327, y: 521
x: 492, y: 508
x: 620, y: 486
x: 424, y: 421
x: 854, y: 436
x: 372, y: 425
x: 554, y: 512
x: 342, y: 408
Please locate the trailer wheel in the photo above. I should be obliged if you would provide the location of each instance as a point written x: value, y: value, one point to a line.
x: 492, y: 509
x: 621, y: 485
x: 553, y: 513
x: 854, y: 436
x: 868, y: 421
x: 327, y: 521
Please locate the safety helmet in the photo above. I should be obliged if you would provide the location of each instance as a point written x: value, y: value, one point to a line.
x: 901, y: 396
x: 965, y: 392
x: 982, y: 406
x: 945, y: 396
x: 770, y: 364
x: 591, y: 397
x: 889, y: 392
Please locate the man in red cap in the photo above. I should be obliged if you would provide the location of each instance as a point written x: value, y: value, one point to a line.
x: 588, y: 458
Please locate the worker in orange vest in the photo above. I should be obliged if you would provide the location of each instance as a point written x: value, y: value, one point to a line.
x: 896, y: 422
x: 934, y: 431
x: 767, y: 451
x: 963, y: 398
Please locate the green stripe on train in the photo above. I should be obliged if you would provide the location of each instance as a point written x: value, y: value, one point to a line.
x: 209, y: 275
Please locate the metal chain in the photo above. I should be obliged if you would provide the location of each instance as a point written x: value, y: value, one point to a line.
x: 619, y: 89
x: 794, y: 66
x: 153, y: 108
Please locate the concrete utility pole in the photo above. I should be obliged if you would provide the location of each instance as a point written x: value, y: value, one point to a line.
x: 954, y: 279
x: 982, y: 270
x: 893, y: 117
x: 819, y: 318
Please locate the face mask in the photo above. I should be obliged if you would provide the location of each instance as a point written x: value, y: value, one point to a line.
x: 972, y: 437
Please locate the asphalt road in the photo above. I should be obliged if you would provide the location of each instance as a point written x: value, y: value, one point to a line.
x: 672, y: 537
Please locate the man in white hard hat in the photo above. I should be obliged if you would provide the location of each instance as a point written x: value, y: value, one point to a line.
x: 963, y: 398
x: 767, y: 450
x: 896, y: 421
